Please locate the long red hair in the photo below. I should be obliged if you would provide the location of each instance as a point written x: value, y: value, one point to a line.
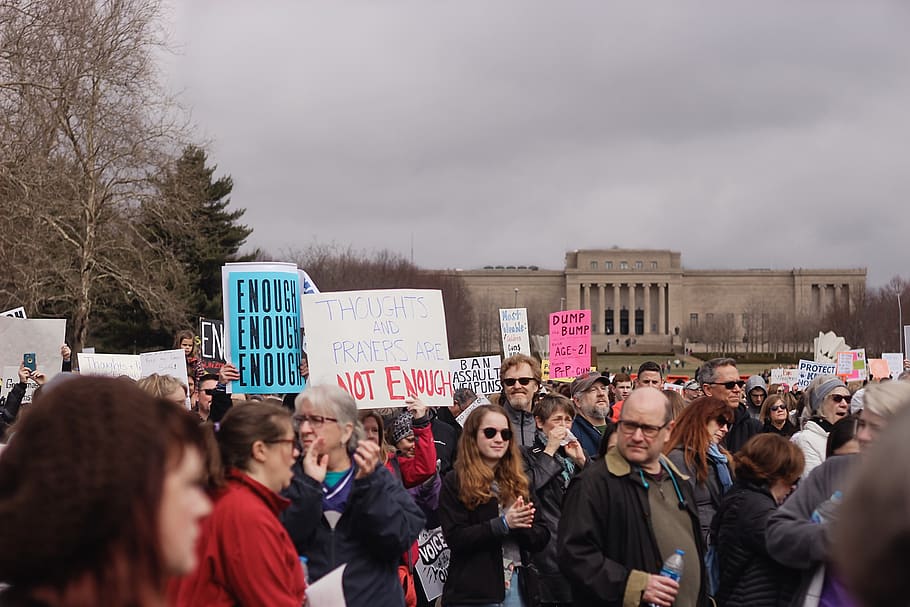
x: 691, y: 432
x: 475, y: 478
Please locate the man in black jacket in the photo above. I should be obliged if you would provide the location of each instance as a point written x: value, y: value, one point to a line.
x: 624, y: 515
x: 719, y: 377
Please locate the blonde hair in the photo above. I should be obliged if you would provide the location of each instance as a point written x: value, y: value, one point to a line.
x: 161, y: 386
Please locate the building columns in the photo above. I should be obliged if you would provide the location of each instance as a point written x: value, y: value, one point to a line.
x: 646, y: 296
x: 661, y: 309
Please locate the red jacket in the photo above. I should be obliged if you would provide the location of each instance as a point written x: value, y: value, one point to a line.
x: 245, y: 555
x: 413, y: 471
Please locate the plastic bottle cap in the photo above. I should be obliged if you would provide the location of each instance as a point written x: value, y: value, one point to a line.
x: 680, y: 552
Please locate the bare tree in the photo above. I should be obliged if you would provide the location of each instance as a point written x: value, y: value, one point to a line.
x: 86, y: 127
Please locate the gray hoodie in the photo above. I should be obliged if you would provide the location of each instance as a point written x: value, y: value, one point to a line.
x: 753, y: 382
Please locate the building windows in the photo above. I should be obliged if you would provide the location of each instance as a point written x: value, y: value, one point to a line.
x: 693, y: 319
x: 623, y: 265
x: 639, y: 265
x: 593, y: 265
x: 653, y: 265
x: 709, y: 318
x: 608, y: 265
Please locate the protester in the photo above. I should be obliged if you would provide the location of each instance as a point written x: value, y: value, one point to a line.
x: 623, y: 517
x: 694, y: 446
x: 520, y: 378
x: 842, y: 438
x: 247, y: 556
x: 871, y: 549
x: 100, y: 497
x: 164, y: 386
x: 649, y: 375
x: 767, y: 468
x: 756, y: 392
x: 550, y: 465
x: 620, y: 387
x: 10, y: 407
x: 677, y: 402
x: 488, y: 517
x: 828, y: 400
x: 186, y: 340
x: 589, y: 394
x: 346, y: 508
x: 775, y: 417
x: 798, y: 533
x: 692, y: 390
x: 719, y: 377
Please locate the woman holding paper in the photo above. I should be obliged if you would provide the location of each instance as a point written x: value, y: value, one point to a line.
x: 488, y: 518
x: 246, y: 556
x: 346, y: 507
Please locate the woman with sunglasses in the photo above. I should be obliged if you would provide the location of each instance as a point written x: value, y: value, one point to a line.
x: 775, y: 417
x: 488, y: 518
x: 346, y: 507
x: 246, y: 556
x: 694, y: 446
x: 827, y: 401
x: 767, y: 469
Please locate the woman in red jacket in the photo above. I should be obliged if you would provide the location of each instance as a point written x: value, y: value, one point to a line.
x: 245, y: 555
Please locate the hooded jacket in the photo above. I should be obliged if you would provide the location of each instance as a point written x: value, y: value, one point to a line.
x: 753, y: 382
x: 744, y: 427
x: 522, y: 422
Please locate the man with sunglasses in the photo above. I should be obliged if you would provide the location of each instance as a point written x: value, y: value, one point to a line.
x: 623, y: 516
x: 206, y: 389
x: 719, y: 377
x: 520, y: 378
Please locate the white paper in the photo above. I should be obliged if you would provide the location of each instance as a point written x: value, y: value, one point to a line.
x: 513, y: 323
x: 895, y: 362
x: 327, y: 591
x: 43, y: 336
x: 480, y: 374
x: 15, y: 313
x: 463, y: 417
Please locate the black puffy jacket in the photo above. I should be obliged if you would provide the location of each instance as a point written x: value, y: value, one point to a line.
x: 748, y: 575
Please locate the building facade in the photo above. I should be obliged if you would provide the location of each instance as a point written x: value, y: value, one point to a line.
x: 644, y: 300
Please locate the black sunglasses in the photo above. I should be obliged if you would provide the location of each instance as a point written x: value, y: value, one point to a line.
x: 776, y: 407
x: 723, y: 421
x: 840, y: 397
x: 209, y: 391
x: 524, y: 381
x: 728, y: 384
x: 491, y: 432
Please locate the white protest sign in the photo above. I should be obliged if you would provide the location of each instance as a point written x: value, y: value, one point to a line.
x: 11, y: 378
x: 675, y: 387
x: 41, y: 336
x: 480, y: 374
x: 852, y: 364
x: 895, y: 362
x: 827, y: 345
x: 514, y: 325
x: 907, y: 341
x: 165, y: 362
x: 15, y: 313
x: 433, y: 565
x: 110, y: 365
x: 786, y: 377
x: 463, y: 416
x: 809, y: 370
x: 380, y: 345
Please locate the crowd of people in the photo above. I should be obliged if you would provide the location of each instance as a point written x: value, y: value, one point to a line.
x: 608, y: 490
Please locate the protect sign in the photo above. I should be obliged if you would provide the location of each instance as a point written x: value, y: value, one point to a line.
x: 809, y: 370
x: 381, y: 346
x: 262, y: 317
x: 570, y: 343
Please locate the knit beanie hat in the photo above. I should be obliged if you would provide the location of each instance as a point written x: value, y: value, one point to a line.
x: 400, y: 427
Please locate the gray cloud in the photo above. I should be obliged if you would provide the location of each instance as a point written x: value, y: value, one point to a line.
x: 741, y: 134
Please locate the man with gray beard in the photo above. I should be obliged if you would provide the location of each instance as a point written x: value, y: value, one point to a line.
x: 590, y: 395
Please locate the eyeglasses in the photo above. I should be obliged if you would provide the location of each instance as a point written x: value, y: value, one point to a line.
x: 209, y: 391
x: 728, y: 384
x: 491, y: 432
x: 316, y: 421
x: 773, y: 408
x: 841, y: 398
x: 647, y: 430
x: 524, y: 381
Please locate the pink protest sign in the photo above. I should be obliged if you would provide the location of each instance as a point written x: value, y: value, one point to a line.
x: 570, y: 343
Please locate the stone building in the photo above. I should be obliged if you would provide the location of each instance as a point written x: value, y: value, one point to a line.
x: 645, y: 300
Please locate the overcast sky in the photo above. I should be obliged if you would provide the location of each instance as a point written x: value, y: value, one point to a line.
x: 742, y: 134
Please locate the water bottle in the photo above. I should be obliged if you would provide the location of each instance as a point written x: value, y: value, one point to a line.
x: 306, y: 572
x: 673, y: 568
x: 825, y: 510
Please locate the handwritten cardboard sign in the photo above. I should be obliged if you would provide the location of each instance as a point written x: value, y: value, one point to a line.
x: 895, y: 361
x: 570, y: 343
x: 480, y: 374
x: 380, y: 345
x: 852, y: 365
x: 514, y: 325
x: 111, y: 365
x: 41, y: 336
x: 262, y: 318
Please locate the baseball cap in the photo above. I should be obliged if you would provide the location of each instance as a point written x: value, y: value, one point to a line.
x: 584, y: 382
